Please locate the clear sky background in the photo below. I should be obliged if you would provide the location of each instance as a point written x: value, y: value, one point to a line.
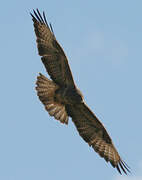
x: 103, y: 42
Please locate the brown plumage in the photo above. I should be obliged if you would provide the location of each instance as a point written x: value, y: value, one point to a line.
x: 62, y: 99
x: 46, y: 92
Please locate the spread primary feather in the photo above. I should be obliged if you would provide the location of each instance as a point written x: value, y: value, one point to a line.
x: 62, y: 99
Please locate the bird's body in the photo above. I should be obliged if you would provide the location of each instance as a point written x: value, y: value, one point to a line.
x: 62, y: 99
x: 68, y: 96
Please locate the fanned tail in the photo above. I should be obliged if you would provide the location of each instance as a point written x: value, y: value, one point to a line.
x: 46, y: 93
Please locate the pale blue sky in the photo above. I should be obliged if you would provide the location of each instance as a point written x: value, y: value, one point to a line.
x: 103, y: 42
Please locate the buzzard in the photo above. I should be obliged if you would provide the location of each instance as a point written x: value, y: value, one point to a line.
x: 62, y: 99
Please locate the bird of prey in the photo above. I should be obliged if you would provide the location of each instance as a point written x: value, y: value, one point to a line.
x: 62, y: 99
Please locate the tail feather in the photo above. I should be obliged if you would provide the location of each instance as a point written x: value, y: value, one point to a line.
x: 46, y: 93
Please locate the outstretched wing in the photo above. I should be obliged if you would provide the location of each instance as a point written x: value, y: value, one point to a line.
x: 94, y: 133
x: 53, y: 56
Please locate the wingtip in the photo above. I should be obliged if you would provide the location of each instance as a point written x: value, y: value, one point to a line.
x: 31, y: 13
x: 51, y: 29
x: 124, y: 167
x: 37, y: 10
x: 118, y: 169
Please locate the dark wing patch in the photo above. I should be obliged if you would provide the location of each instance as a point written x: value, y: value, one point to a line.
x: 53, y: 56
x: 94, y: 133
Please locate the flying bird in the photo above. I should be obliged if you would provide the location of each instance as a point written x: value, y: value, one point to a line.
x: 62, y: 99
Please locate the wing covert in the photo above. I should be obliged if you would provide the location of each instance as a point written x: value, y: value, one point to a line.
x: 94, y: 133
x: 53, y: 56
x: 56, y: 64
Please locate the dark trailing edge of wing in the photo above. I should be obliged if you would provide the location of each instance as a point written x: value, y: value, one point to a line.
x: 53, y: 56
x: 37, y: 17
x: 84, y: 121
